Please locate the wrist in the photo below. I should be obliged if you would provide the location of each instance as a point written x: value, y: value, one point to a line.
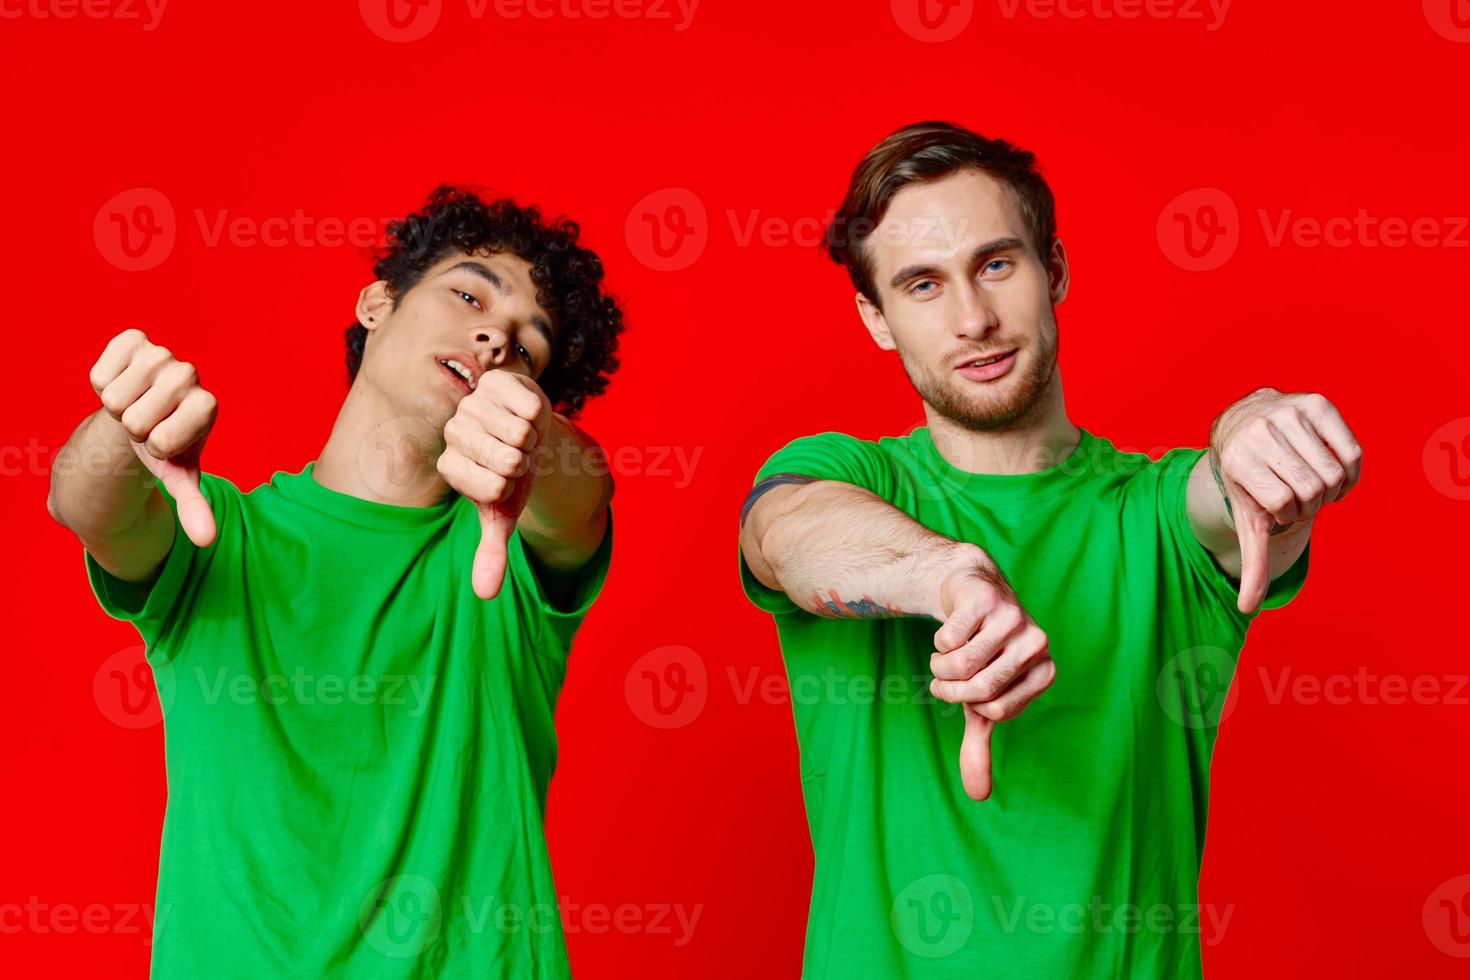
x: 959, y: 560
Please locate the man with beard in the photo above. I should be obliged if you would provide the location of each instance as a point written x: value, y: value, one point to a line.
x: 1052, y: 562
x: 360, y: 661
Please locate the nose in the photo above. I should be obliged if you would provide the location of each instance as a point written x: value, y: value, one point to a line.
x: 494, y: 340
x: 976, y: 317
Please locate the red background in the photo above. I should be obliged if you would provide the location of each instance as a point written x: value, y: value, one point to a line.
x: 1332, y: 824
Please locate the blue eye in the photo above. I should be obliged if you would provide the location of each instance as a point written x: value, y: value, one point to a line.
x: 997, y: 262
x: 918, y: 288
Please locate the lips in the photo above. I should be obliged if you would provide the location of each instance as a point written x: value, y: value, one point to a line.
x: 988, y: 367
x: 455, y: 378
x: 462, y: 367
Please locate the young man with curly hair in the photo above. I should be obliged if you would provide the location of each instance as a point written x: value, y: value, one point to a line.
x: 1109, y: 592
x: 360, y: 662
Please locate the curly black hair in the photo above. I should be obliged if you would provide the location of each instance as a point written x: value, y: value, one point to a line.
x: 567, y: 276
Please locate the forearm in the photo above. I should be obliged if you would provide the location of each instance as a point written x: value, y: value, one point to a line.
x: 1210, y: 518
x: 565, y: 514
x: 839, y: 551
x: 99, y: 487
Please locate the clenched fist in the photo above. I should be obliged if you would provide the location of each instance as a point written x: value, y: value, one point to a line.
x: 990, y: 657
x: 1278, y: 458
x: 488, y: 450
x: 167, y: 415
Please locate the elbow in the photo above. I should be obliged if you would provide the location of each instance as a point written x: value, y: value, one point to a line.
x: 53, y: 508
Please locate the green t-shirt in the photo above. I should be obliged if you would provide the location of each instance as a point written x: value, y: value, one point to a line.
x: 358, y: 747
x: 1085, y: 861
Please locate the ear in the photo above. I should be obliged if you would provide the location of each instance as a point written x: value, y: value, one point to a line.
x: 874, y: 320
x: 374, y: 304
x: 1059, y: 273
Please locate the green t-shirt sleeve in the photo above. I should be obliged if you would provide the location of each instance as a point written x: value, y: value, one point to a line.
x: 157, y: 608
x: 557, y: 621
x: 1174, y: 470
x: 825, y: 456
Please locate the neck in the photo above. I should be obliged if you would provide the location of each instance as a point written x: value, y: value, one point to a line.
x: 380, y: 453
x: 1038, y: 441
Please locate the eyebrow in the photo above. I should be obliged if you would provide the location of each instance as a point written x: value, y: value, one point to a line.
x: 538, y: 322
x: 980, y: 254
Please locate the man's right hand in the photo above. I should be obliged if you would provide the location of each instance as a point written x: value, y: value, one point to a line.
x: 989, y: 657
x: 167, y: 415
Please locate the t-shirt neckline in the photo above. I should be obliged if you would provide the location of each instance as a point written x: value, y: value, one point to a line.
x: 303, y: 486
x: 993, y: 487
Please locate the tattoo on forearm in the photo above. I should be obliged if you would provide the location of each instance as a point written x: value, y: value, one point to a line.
x: 839, y: 608
x: 766, y: 486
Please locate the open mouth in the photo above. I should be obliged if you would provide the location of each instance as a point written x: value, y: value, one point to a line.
x: 987, y: 368
x: 462, y: 375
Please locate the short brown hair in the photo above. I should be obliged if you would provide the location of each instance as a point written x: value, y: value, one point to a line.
x: 923, y: 152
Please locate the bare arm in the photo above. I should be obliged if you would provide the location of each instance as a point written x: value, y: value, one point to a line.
x: 839, y: 551
x: 566, y: 515
x: 108, y: 499
x: 151, y: 426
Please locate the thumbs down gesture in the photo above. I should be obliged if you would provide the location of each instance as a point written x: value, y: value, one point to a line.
x: 489, y: 449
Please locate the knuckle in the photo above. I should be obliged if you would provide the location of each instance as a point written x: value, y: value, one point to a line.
x: 135, y: 425
x: 1047, y: 672
x: 521, y: 432
x: 112, y: 400
x: 1277, y: 500
x: 184, y: 373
